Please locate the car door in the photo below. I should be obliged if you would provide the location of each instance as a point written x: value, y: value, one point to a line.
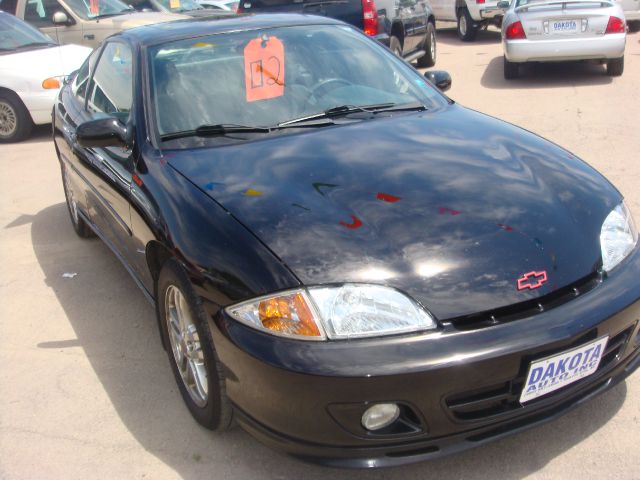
x: 109, y: 170
x: 70, y: 113
x: 409, y: 14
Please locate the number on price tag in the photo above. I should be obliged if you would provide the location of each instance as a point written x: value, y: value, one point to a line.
x: 264, y: 68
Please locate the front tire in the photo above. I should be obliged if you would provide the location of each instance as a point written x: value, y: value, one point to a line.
x: 615, y: 67
x: 511, y: 69
x: 186, y: 334
x: 467, y: 30
x: 429, y: 58
x: 15, y: 121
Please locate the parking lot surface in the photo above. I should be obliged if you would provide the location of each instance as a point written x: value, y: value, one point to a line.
x: 86, y: 390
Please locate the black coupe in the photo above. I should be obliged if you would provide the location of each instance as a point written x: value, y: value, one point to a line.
x: 358, y: 270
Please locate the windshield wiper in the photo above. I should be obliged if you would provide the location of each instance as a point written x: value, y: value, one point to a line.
x: 341, y: 110
x: 112, y: 14
x: 214, y: 130
x: 336, y: 112
x: 404, y: 107
x: 35, y: 44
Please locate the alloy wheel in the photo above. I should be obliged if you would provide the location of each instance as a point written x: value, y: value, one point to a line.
x: 463, y: 25
x: 185, y: 345
x: 8, y: 119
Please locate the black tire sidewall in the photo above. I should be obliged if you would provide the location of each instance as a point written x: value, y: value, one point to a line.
x: 615, y: 67
x: 427, y: 60
x: 23, y: 118
x: 471, y: 30
x: 216, y: 414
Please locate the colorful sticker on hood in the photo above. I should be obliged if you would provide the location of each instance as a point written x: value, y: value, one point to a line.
x: 264, y: 68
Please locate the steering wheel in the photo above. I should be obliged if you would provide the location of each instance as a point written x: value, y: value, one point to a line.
x: 323, y: 86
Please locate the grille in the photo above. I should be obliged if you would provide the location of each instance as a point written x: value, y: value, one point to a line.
x: 504, y: 397
x: 528, y: 308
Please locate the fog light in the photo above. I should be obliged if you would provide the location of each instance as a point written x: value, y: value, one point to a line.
x: 380, y: 415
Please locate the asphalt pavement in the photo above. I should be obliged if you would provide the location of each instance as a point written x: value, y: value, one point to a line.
x: 86, y: 390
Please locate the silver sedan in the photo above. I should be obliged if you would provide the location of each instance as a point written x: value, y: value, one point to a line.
x: 563, y: 30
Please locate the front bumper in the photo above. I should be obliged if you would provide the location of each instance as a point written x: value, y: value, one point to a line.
x: 306, y: 398
x: 565, y: 49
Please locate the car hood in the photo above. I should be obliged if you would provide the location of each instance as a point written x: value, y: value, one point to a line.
x: 43, y: 63
x: 450, y: 206
x: 135, y: 19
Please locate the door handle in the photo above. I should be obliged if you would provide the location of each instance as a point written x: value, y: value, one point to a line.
x: 89, y: 36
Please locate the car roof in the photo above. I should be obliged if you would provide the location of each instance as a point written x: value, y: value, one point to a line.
x: 176, y: 30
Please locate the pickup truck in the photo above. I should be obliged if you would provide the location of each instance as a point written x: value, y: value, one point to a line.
x: 407, y: 27
x: 470, y: 15
x: 84, y: 23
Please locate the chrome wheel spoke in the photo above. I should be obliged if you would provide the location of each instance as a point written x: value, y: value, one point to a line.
x: 186, y: 346
x: 8, y: 120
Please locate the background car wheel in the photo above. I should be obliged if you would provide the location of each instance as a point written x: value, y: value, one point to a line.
x: 511, y: 69
x: 15, y: 121
x: 190, y: 348
x: 467, y: 30
x: 79, y: 225
x: 395, y: 46
x: 634, y: 26
x: 615, y: 67
x: 429, y: 59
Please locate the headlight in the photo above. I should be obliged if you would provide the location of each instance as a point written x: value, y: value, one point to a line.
x: 617, y: 237
x: 339, y: 312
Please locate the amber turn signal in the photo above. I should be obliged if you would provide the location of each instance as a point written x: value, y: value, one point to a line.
x: 51, y: 83
x: 288, y: 314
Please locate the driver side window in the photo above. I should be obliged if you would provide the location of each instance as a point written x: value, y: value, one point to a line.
x: 39, y: 13
x: 111, y: 87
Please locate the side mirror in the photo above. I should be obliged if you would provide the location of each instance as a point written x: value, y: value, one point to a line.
x: 439, y: 78
x: 60, y: 18
x: 103, y: 132
x: 503, y: 4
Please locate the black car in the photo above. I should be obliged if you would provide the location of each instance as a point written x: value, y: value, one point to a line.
x: 357, y: 269
x: 407, y: 27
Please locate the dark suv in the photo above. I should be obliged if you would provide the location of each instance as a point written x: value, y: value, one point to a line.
x: 407, y: 27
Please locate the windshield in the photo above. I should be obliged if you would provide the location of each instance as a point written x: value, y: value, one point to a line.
x: 18, y: 35
x: 177, y: 6
x: 88, y: 9
x: 272, y: 76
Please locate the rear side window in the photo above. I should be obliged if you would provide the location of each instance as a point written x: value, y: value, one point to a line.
x: 111, y: 87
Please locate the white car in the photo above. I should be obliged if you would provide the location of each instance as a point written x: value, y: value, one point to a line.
x: 563, y: 30
x: 32, y: 69
x: 471, y: 15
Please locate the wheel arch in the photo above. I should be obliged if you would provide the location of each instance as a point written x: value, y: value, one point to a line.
x: 13, y: 93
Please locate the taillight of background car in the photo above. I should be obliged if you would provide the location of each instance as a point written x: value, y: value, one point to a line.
x: 515, y: 31
x: 615, y: 25
x: 370, y: 17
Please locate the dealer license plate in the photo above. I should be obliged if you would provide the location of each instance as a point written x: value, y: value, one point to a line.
x: 552, y: 373
x: 563, y: 26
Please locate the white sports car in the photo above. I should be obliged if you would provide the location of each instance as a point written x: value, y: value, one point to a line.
x: 32, y: 69
x: 563, y: 30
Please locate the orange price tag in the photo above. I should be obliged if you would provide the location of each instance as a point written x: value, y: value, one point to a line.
x: 264, y: 69
x: 174, y: 4
x: 94, y: 7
